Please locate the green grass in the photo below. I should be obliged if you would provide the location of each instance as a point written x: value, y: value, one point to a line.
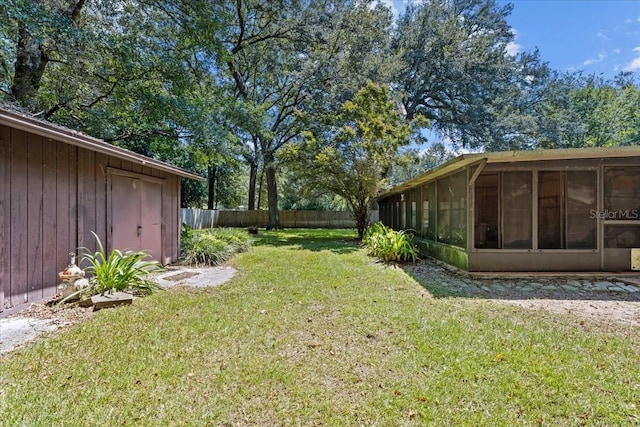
x: 313, y: 332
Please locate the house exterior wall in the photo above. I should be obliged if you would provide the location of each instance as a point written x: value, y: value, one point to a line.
x: 525, y: 241
x: 52, y: 196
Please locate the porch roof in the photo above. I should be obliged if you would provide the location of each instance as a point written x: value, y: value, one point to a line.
x: 465, y: 160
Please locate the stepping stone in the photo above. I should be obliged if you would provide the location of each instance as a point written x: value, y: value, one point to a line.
x: 111, y: 300
x: 628, y: 288
x: 574, y: 283
x: 602, y: 286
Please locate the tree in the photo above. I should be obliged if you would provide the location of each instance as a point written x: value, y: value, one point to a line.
x: 136, y: 73
x: 589, y: 111
x: 455, y: 70
x: 43, y: 32
x: 264, y: 61
x: 413, y: 163
x: 285, y: 58
x: 352, y: 155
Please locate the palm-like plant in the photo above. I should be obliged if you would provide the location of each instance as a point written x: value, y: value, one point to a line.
x: 389, y: 245
x: 120, y: 271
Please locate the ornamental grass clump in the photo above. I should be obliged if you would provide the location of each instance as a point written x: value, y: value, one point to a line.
x: 214, y: 246
x: 120, y: 271
x: 389, y: 245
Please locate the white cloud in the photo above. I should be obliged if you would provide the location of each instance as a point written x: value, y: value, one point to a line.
x: 591, y: 61
x: 633, y: 65
x: 636, y: 49
x: 602, y: 35
x: 616, y: 50
x: 513, y: 48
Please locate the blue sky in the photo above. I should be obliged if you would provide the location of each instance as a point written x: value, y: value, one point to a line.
x: 596, y: 36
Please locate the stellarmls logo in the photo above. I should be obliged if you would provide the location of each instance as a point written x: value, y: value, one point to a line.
x: 613, y: 215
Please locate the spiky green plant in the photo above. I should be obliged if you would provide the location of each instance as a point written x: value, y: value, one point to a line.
x: 214, y: 246
x: 389, y: 245
x: 120, y: 271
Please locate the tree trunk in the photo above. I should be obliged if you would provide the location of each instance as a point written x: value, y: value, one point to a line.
x: 211, y: 199
x: 272, y: 191
x: 31, y: 61
x: 260, y: 184
x: 253, y: 179
x: 361, y: 215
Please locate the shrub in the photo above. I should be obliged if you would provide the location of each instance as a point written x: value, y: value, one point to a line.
x: 186, y: 232
x: 389, y: 245
x: 120, y: 271
x: 214, y: 246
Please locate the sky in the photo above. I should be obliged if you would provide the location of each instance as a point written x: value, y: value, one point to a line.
x: 595, y: 36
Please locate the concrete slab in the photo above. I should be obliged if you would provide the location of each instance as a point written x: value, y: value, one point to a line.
x: 195, y: 277
x: 111, y: 300
x: 16, y: 331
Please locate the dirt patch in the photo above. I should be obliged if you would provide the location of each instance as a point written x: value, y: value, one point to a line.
x: 64, y: 314
x: 601, y: 311
x: 180, y: 276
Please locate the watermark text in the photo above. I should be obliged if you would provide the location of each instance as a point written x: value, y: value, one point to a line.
x: 615, y: 214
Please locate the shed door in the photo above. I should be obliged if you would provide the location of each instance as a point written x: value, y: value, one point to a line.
x: 136, y: 215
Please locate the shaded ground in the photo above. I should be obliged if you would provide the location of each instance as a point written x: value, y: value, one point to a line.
x: 598, y: 297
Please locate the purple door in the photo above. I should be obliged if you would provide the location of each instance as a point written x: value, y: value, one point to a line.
x: 151, y: 218
x: 136, y: 215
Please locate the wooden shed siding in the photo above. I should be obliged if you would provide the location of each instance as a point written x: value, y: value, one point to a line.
x: 35, y: 217
x: 52, y: 196
x: 18, y: 223
x: 5, y: 178
x: 50, y: 211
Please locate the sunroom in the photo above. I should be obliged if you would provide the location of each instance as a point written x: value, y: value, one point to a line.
x: 540, y: 210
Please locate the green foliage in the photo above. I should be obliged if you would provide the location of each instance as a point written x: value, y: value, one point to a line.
x: 186, y: 232
x: 589, y: 111
x: 389, y: 245
x: 137, y: 74
x: 120, y: 271
x: 413, y: 163
x: 214, y: 246
x: 455, y: 70
x: 352, y: 154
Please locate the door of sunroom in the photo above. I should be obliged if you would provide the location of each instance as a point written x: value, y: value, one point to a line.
x: 620, y: 216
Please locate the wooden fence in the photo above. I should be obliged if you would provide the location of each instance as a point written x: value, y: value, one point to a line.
x: 202, y: 218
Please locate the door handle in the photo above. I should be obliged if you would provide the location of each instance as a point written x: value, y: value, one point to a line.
x: 139, y: 230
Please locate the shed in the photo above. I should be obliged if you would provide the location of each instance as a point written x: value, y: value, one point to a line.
x: 539, y: 210
x: 57, y: 186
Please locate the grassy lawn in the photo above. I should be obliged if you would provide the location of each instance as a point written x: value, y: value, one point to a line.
x: 313, y: 332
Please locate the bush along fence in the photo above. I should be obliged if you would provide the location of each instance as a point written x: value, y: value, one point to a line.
x: 202, y: 218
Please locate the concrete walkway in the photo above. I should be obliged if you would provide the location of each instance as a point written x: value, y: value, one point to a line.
x: 15, y: 331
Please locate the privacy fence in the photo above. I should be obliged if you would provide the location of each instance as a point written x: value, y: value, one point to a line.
x: 202, y: 218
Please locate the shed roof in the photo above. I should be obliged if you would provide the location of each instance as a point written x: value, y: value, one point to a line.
x: 513, y: 157
x: 59, y: 133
